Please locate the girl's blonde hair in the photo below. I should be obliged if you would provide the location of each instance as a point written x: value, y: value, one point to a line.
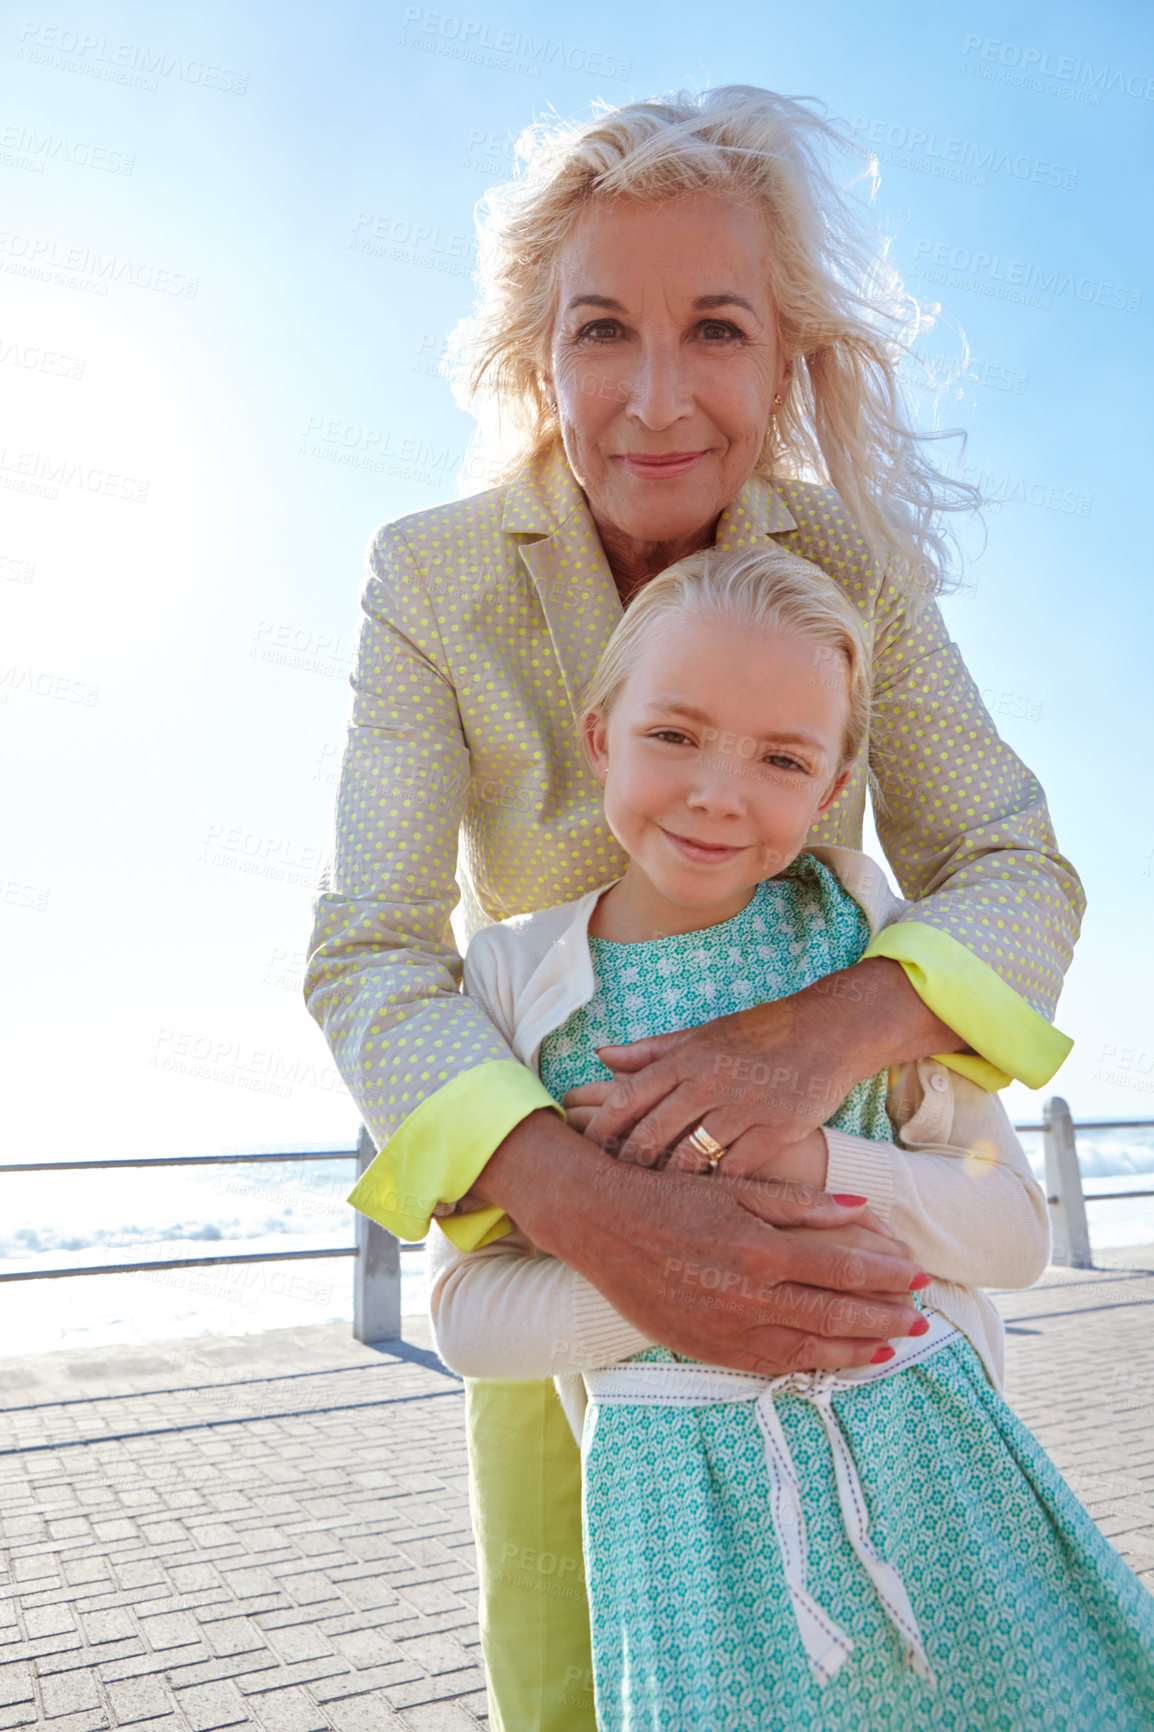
x: 844, y: 318
x: 762, y: 589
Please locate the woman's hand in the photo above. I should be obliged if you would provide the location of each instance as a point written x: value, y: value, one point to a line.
x: 766, y: 1278
x: 800, y: 1163
x: 764, y: 1078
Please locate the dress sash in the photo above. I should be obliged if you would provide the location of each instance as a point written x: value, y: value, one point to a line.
x: 658, y: 1384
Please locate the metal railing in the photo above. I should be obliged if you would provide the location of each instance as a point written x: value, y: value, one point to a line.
x: 377, y: 1253
x: 1063, y: 1173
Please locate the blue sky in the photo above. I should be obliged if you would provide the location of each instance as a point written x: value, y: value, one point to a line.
x: 193, y: 322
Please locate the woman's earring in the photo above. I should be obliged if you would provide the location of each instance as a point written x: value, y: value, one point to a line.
x: 778, y: 401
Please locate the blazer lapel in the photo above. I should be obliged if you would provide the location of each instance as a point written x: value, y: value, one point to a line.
x: 756, y: 512
x: 567, y: 564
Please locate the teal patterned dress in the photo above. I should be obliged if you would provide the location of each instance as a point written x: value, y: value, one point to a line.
x: 1029, y: 1619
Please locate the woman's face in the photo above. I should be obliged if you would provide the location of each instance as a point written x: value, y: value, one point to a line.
x: 665, y: 360
x: 721, y: 748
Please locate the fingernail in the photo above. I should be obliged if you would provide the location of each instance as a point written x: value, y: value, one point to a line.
x: 846, y: 1201
x: 882, y: 1354
x: 920, y: 1281
x: 921, y: 1327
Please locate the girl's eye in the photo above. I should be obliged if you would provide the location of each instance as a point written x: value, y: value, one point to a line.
x: 780, y: 761
x: 674, y: 734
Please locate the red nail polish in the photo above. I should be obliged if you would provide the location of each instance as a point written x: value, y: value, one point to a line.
x: 846, y: 1201
x: 882, y: 1354
x: 921, y: 1327
x: 920, y: 1281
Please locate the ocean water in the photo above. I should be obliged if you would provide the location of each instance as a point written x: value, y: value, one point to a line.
x: 74, y: 1220
x: 1111, y: 1162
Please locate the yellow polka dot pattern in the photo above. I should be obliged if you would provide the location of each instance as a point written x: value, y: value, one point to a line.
x: 482, y: 620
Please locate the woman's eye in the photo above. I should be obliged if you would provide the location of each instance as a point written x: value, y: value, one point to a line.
x: 717, y: 330
x: 601, y: 330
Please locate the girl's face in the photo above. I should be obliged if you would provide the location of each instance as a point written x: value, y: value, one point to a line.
x: 720, y: 750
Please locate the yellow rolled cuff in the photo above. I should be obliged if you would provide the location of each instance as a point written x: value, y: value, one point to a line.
x: 1010, y: 1039
x: 436, y: 1153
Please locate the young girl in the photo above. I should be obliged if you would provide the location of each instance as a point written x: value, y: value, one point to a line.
x: 868, y: 1551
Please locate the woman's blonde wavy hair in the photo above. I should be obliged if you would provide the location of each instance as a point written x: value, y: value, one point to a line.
x: 844, y: 318
x: 761, y: 589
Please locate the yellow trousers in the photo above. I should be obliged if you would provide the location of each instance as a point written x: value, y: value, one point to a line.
x: 525, y: 1498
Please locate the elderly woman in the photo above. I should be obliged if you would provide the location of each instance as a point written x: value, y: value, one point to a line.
x: 688, y: 344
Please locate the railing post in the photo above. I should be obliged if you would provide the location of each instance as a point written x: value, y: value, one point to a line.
x: 376, y: 1269
x: 1064, y: 1187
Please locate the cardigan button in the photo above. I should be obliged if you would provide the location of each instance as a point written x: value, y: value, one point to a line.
x: 940, y: 1081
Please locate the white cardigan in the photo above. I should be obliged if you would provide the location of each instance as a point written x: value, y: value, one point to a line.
x: 957, y: 1186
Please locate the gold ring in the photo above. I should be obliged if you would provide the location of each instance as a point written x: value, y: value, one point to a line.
x: 706, y: 1145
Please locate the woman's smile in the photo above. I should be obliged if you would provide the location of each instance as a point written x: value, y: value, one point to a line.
x: 662, y: 468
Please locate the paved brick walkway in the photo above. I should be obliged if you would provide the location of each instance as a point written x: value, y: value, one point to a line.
x: 272, y: 1531
x: 1080, y: 1371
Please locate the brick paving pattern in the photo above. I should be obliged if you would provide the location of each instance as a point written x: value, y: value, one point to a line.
x: 272, y: 1531
x: 1080, y: 1372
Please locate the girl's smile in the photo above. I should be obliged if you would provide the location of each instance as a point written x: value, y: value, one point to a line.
x: 697, y: 850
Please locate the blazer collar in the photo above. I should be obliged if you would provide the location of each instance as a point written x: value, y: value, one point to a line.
x: 567, y: 563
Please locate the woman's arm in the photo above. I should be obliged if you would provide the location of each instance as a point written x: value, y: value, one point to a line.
x: 506, y: 1310
x: 962, y: 1196
x: 672, y: 1252
x: 965, y: 826
x: 763, y: 1078
x: 436, y: 1085
x: 963, y: 823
